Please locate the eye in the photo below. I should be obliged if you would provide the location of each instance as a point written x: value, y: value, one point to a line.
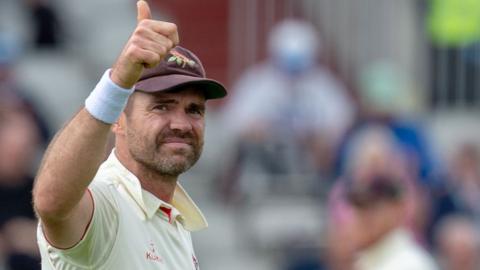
x: 195, y: 110
x: 161, y: 107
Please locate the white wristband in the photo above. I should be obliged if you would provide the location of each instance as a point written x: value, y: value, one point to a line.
x: 107, y: 100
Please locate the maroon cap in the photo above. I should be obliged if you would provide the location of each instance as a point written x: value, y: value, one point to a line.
x: 179, y: 68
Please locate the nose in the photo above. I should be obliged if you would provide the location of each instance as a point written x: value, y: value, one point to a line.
x: 180, y: 122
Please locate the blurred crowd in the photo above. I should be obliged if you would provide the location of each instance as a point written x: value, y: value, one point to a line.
x: 23, y: 136
x: 363, y: 155
x: 328, y: 175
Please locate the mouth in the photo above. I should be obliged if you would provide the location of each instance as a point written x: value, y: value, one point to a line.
x: 176, y: 140
x: 176, y: 143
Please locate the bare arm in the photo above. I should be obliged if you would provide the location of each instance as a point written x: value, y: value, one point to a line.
x: 68, y: 166
x: 71, y: 161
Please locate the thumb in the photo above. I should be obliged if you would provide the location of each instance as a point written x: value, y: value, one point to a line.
x: 143, y: 11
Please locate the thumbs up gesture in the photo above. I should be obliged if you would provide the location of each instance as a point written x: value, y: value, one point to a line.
x: 149, y: 43
x: 143, y: 11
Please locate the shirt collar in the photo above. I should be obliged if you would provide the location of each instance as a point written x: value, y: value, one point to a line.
x: 395, y: 240
x: 183, y: 208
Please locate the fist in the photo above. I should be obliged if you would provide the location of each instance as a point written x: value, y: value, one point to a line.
x: 149, y: 43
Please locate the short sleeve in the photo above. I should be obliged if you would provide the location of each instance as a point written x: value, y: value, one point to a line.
x: 96, y: 244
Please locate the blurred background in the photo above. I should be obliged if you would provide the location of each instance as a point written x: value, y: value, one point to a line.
x: 349, y: 139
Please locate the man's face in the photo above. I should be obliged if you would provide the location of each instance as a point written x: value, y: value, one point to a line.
x: 164, y: 131
x: 376, y: 220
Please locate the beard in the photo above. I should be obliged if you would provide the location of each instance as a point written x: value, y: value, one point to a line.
x: 157, y: 157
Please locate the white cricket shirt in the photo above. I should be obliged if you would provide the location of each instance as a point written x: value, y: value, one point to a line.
x: 131, y: 229
x: 396, y: 251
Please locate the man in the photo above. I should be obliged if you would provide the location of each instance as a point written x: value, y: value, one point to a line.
x: 381, y: 239
x: 289, y: 113
x: 133, y: 215
x: 457, y: 243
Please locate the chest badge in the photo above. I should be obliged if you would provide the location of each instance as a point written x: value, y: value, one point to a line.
x: 152, y: 255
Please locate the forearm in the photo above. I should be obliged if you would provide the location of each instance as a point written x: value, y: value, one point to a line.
x: 69, y: 165
x: 74, y: 156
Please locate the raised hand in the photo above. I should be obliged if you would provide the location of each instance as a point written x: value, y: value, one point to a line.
x: 150, y: 42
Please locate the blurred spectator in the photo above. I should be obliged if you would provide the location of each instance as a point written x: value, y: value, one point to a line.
x: 382, y: 242
x: 47, y: 30
x: 374, y: 206
x: 11, y: 89
x: 454, y: 31
x: 286, y: 114
x: 22, y: 135
x: 19, y: 141
x: 465, y: 180
x: 458, y: 243
x: 461, y: 193
x: 388, y: 99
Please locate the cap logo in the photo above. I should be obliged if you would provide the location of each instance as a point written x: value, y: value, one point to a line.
x: 180, y: 59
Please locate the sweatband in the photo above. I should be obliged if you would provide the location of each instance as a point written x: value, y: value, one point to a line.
x: 107, y: 100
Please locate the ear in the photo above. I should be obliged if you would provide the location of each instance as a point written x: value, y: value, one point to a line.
x: 119, y: 127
